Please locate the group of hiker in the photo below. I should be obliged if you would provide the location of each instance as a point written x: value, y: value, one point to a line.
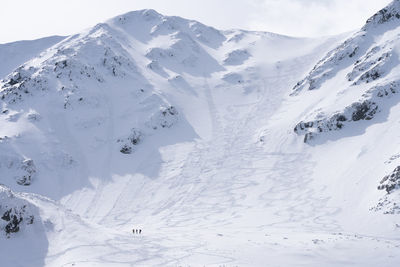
x: 137, y: 231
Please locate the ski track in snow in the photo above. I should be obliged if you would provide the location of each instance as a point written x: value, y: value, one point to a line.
x: 276, y: 184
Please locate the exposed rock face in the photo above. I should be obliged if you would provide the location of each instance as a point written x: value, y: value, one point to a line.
x: 23, y: 170
x: 357, y: 111
x: 15, y: 212
x: 29, y: 169
x: 311, y: 128
x: 389, y: 203
x: 391, y: 182
x: 375, y: 64
x: 21, y: 82
x: 166, y: 117
x: 132, y: 140
x: 371, y: 103
x: 387, y: 14
x: 331, y: 64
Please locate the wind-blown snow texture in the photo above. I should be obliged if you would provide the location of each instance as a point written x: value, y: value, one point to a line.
x: 186, y: 132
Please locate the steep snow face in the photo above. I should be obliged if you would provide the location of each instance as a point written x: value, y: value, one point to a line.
x: 185, y: 132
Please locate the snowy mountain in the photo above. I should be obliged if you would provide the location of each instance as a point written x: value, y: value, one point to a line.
x: 224, y: 148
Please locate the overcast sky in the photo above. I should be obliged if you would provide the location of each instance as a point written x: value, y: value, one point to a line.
x: 30, y: 19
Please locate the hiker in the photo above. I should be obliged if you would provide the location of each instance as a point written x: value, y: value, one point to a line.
x: 137, y: 231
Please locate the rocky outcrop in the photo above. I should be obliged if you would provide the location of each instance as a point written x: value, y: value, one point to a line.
x: 390, y: 202
x: 22, y: 82
x: 15, y: 212
x: 374, y: 100
x: 129, y: 142
x: 166, y: 117
x: 376, y: 64
x: 23, y: 170
x: 391, y: 182
x: 28, y: 169
x: 370, y: 56
x: 336, y: 60
x: 385, y: 15
x: 364, y: 110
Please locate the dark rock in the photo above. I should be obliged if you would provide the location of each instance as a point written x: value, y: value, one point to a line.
x: 391, y: 182
x: 13, y: 225
x: 133, y: 139
x: 29, y: 169
x: 135, y: 136
x: 352, y: 54
x: 125, y: 149
x: 6, y: 215
x: 364, y: 111
x: 384, y: 15
x: 14, y: 219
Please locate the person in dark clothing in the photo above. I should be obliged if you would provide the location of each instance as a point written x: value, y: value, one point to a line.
x: 136, y: 231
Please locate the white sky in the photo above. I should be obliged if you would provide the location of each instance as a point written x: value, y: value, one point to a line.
x: 30, y: 19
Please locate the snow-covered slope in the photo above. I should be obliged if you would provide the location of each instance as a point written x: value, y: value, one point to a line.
x: 14, y: 54
x: 186, y: 132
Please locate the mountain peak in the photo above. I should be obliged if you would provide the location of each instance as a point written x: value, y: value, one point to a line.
x: 390, y: 13
x: 147, y: 14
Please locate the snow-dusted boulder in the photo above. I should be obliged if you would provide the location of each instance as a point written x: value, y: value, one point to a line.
x: 165, y: 117
x: 133, y: 139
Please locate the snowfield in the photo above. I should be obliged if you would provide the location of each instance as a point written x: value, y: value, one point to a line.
x: 225, y: 148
